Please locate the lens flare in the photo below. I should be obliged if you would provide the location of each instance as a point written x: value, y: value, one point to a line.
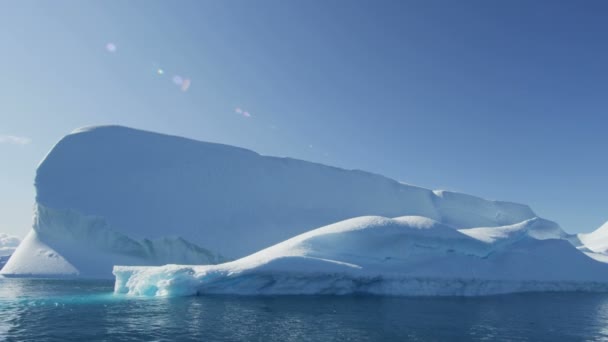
x: 178, y: 80
x: 186, y: 84
x: 111, y: 47
x: 242, y: 112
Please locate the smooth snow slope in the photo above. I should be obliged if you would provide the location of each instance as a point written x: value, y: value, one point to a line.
x: 596, y: 241
x: 376, y: 255
x: 112, y: 194
x: 594, y: 244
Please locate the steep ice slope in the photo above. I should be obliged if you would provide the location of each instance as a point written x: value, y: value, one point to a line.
x: 102, y: 191
x: 403, y: 256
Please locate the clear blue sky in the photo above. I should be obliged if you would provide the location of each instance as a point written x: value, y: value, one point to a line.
x: 502, y: 99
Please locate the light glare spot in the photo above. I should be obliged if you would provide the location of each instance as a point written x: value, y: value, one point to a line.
x: 111, y: 47
x: 186, y: 84
x: 178, y: 80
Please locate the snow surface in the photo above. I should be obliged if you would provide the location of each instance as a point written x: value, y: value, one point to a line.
x: 594, y: 244
x: 409, y: 255
x: 596, y: 241
x: 115, y: 195
x: 537, y: 228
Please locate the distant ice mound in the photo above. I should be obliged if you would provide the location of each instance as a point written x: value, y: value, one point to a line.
x: 114, y: 195
x: 8, y: 244
x: 375, y: 255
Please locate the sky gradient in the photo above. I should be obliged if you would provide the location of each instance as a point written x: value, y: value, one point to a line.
x: 501, y: 99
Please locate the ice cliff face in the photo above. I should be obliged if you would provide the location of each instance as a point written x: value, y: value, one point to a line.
x: 67, y: 243
x: 114, y: 195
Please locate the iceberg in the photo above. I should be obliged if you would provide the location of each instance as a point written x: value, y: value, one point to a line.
x: 112, y: 195
x: 409, y: 255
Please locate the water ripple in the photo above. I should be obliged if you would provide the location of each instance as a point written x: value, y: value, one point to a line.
x: 51, y: 310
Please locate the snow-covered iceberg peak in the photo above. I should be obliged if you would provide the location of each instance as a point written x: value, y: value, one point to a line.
x: 101, y: 192
x: 404, y: 256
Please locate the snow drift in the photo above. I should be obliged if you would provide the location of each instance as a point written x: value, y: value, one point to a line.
x: 375, y: 255
x: 114, y: 195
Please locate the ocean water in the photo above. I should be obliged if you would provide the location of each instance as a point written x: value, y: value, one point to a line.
x: 59, y: 310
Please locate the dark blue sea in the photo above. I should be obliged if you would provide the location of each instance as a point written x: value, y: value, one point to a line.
x: 59, y: 310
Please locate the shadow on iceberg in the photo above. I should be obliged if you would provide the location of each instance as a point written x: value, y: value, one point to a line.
x: 67, y: 244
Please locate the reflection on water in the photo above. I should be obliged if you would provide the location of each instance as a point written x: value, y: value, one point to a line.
x: 49, y: 310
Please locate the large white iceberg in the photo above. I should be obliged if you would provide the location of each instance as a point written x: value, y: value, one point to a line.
x: 114, y: 195
x: 409, y: 255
